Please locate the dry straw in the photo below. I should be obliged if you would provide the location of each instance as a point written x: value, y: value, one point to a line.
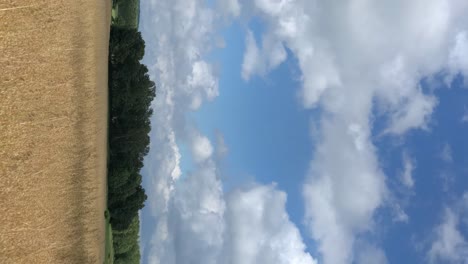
x: 53, y: 123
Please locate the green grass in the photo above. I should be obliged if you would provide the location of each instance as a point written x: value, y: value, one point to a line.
x: 109, y: 257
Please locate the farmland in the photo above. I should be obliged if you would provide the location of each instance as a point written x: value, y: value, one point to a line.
x: 53, y: 136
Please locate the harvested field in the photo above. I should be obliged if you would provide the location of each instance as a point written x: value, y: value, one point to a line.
x: 53, y: 130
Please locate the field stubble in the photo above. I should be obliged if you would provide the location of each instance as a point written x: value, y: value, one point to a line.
x: 53, y: 130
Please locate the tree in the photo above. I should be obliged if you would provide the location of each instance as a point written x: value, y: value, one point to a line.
x: 123, y: 212
x: 124, y: 240
x: 125, y: 43
x: 131, y: 92
x: 129, y: 257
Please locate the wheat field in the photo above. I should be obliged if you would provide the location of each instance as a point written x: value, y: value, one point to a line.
x: 53, y: 130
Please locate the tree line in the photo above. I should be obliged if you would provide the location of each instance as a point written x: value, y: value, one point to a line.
x: 130, y: 95
x: 126, y: 245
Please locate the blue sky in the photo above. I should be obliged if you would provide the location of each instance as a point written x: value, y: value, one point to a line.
x: 291, y: 132
x: 252, y: 117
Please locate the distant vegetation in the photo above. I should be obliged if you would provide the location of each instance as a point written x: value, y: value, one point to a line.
x: 126, y: 13
x: 126, y: 244
x: 130, y: 95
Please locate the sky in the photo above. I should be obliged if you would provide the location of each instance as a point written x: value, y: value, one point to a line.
x: 306, y: 132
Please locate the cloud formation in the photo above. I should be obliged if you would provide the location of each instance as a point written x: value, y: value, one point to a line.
x: 259, y: 229
x: 250, y: 226
x: 193, y: 221
x: 343, y: 189
x: 229, y: 7
x: 261, y: 60
x: 196, y: 220
x: 177, y: 34
x: 359, y: 59
x: 201, y: 148
x: 449, y: 245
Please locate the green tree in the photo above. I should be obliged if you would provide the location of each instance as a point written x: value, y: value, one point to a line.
x: 124, y: 240
x: 129, y: 257
x: 131, y: 92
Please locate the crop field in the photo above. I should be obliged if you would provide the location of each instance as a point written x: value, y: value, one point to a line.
x: 53, y: 130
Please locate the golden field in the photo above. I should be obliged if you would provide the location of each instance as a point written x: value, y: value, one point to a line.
x: 53, y: 130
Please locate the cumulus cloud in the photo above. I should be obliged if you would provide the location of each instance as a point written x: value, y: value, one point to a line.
x: 259, y: 229
x: 357, y: 56
x: 178, y: 34
x: 459, y: 53
x: 414, y: 113
x: 343, y: 189
x: 449, y: 244
x: 250, y: 226
x: 201, y: 84
x: 230, y: 7
x: 193, y: 221
x: 261, y: 60
x: 201, y: 148
x: 354, y: 56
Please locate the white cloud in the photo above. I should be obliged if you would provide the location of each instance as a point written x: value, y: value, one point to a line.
x: 399, y: 199
x: 352, y: 55
x: 459, y: 53
x: 414, y: 113
x: 356, y: 56
x: 193, y: 222
x: 261, y: 60
x: 177, y: 34
x: 446, y: 154
x: 343, y: 189
x: 251, y: 56
x: 229, y: 7
x: 449, y: 245
x: 201, y: 148
x: 259, y: 229
x: 250, y: 226
x: 202, y: 83
x: 399, y: 215
x: 408, y: 167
